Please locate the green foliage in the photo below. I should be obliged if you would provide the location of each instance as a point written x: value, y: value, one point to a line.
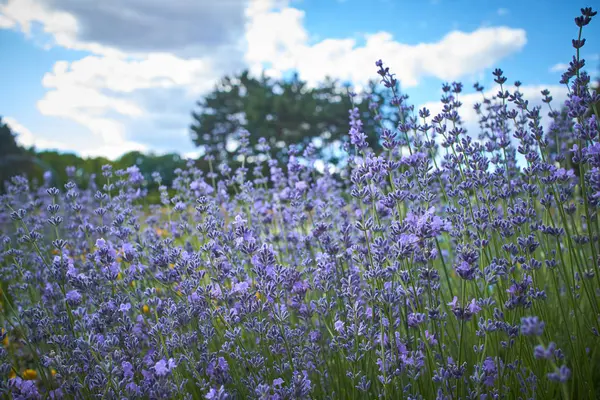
x: 13, y: 158
x: 16, y: 160
x: 8, y: 142
x: 88, y: 167
x: 282, y: 111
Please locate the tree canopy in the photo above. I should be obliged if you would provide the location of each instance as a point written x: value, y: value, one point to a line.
x: 283, y: 111
x: 13, y: 158
x: 8, y: 142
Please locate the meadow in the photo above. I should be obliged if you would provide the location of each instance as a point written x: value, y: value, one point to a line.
x: 450, y: 265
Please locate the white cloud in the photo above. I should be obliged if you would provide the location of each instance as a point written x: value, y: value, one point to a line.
x: 5, y: 22
x: 560, y: 67
x: 62, y: 27
x: 118, y: 27
x: 279, y: 39
x: 115, y: 98
x: 26, y: 138
x: 124, y: 91
x: 530, y: 93
x: 150, y: 60
x: 193, y: 154
x: 85, y: 146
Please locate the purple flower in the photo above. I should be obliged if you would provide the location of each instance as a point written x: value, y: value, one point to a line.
x: 489, y: 366
x: 415, y: 319
x: 23, y: 389
x: 430, y: 338
x: 163, y: 367
x: 532, y: 326
x: 216, y: 291
x: 454, y: 302
x: 427, y: 225
x: 357, y: 136
x: 540, y: 352
x: 239, y: 221
x: 490, y: 371
x: 135, y: 176
x: 301, y: 186
x: 127, y: 370
x: 129, y: 252
x: 466, y: 271
x: 133, y: 389
x: 563, y: 175
x: 216, y: 394
x: 73, y: 297
x: 561, y: 375
x: 408, y: 239
x: 473, y: 307
x: 591, y: 150
x: 241, y: 287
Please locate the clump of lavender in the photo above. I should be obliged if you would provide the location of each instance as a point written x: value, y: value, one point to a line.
x: 447, y: 266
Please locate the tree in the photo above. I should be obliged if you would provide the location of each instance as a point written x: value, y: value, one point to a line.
x: 12, y: 156
x: 284, y: 112
x: 8, y: 141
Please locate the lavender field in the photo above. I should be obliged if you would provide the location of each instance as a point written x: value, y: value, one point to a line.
x: 451, y: 265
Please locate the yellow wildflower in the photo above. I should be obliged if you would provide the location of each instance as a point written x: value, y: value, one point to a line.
x: 119, y: 276
x: 258, y: 296
x: 12, y: 374
x: 53, y: 372
x: 145, y: 309
x: 5, y: 340
x: 30, y: 374
x: 132, y: 284
x: 176, y: 288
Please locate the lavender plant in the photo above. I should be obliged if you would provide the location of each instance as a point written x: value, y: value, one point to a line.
x: 448, y: 266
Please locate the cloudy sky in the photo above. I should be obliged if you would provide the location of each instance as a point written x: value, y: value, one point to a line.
x: 106, y: 77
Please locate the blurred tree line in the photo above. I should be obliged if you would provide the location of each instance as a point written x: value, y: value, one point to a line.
x: 282, y: 111
x: 15, y: 159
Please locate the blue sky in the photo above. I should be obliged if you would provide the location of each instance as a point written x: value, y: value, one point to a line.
x: 103, y: 78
